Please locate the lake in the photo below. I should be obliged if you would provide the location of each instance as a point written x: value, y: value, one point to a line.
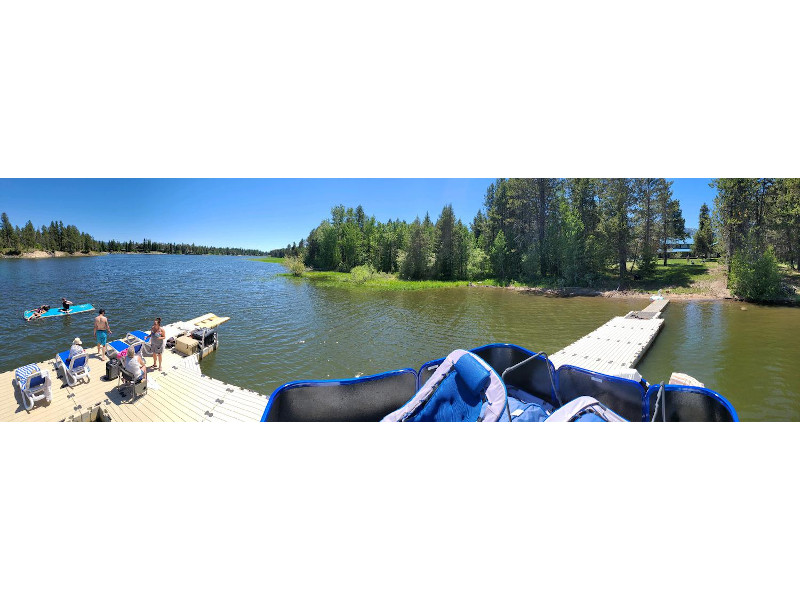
x: 283, y: 329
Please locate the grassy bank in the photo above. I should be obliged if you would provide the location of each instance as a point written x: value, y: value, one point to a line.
x: 269, y: 259
x: 378, y: 281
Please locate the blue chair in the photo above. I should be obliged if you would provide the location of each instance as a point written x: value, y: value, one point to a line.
x: 75, y: 369
x: 34, y: 385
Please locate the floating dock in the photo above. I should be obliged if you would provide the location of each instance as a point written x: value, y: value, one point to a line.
x: 178, y: 393
x: 618, y: 344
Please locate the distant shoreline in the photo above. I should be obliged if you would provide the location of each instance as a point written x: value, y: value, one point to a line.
x: 36, y: 254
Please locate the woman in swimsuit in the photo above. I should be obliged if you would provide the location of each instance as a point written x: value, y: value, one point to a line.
x: 157, y: 336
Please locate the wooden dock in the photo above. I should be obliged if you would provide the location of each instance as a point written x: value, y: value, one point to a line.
x: 618, y: 344
x: 178, y: 393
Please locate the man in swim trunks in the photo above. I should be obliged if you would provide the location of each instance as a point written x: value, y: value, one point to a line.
x: 101, y: 332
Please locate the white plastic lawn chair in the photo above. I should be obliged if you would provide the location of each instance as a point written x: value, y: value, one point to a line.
x: 34, y: 385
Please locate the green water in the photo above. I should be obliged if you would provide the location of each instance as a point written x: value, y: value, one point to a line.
x: 282, y: 329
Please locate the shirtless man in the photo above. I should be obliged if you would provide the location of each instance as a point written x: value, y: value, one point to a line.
x: 101, y: 331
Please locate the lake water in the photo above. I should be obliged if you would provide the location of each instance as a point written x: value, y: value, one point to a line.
x: 283, y: 329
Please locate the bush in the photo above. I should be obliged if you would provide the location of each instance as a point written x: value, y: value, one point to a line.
x: 295, y: 265
x: 756, y: 279
x: 362, y: 274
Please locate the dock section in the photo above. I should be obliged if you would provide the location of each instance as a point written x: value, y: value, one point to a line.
x: 618, y: 344
x: 179, y: 393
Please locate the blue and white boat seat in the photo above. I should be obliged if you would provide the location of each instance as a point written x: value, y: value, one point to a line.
x: 463, y: 388
x: 584, y: 410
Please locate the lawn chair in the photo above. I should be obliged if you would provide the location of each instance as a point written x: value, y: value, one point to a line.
x: 119, y: 347
x: 463, y: 388
x: 75, y: 369
x: 140, y: 337
x: 34, y: 385
x: 126, y: 379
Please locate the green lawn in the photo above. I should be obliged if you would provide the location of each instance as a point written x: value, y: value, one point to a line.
x: 679, y: 276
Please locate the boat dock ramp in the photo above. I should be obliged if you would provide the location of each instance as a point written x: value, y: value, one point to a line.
x: 618, y: 344
x: 182, y: 393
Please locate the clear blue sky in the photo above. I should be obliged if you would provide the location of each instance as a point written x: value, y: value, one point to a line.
x: 249, y: 213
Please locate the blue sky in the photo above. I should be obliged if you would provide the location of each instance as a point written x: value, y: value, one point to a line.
x: 250, y: 213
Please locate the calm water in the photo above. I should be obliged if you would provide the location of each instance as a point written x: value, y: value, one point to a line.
x: 282, y: 329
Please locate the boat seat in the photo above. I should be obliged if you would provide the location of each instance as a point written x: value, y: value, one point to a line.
x: 362, y: 399
x: 624, y: 396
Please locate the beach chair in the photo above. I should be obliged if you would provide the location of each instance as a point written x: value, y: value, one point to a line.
x: 75, y: 369
x: 140, y: 337
x: 118, y: 347
x: 463, y: 388
x: 34, y: 385
x: 126, y: 379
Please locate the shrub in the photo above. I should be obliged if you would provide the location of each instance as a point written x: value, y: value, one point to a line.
x: 295, y: 265
x: 757, y: 279
x: 362, y: 274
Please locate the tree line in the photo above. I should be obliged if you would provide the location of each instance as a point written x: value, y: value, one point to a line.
x: 566, y: 231
x: 758, y: 220
x: 572, y: 232
x: 58, y: 237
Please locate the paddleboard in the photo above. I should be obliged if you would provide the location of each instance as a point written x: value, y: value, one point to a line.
x: 57, y: 312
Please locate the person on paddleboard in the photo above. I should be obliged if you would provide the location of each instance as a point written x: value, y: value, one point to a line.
x: 65, y: 304
x: 101, y: 331
x: 38, y: 312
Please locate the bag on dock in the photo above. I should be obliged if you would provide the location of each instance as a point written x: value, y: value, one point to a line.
x: 112, y: 369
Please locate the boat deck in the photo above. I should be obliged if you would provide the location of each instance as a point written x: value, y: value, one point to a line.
x: 179, y: 393
x: 618, y: 344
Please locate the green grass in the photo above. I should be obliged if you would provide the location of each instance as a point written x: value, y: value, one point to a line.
x: 381, y: 281
x: 271, y: 259
x: 679, y: 277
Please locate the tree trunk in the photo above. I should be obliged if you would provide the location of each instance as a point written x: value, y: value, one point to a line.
x: 541, y: 223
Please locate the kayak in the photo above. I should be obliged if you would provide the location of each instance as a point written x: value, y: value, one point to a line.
x: 57, y: 312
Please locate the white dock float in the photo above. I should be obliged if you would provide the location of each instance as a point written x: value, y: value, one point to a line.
x: 618, y: 344
x: 180, y: 393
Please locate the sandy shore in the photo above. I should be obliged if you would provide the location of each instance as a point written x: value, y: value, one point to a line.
x: 43, y: 254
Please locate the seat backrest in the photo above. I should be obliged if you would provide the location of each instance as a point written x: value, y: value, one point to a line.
x: 363, y: 399
x: 498, y: 356
x: 623, y: 396
x: 536, y: 376
x: 688, y: 403
x: 35, y: 381
x: 584, y: 409
x: 463, y: 388
x: 77, y: 361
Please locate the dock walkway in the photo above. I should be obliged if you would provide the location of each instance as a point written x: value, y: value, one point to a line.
x: 618, y: 344
x: 179, y: 393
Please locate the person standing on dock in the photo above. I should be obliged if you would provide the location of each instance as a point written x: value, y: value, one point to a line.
x: 101, y: 331
x: 157, y: 336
